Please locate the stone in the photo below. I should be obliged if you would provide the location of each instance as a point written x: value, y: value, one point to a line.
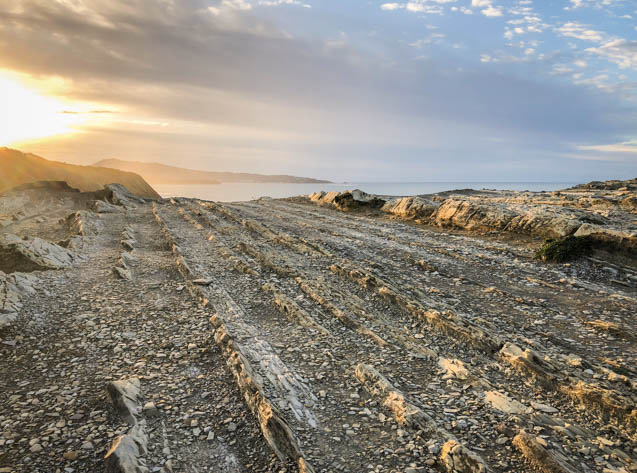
x: 126, y: 454
x: 126, y: 397
x: 150, y: 410
x: 70, y: 455
x: 543, y: 407
x: 453, y: 368
x: 34, y: 254
x: 202, y: 281
x: 123, y: 273
x: 503, y: 403
x: 101, y: 207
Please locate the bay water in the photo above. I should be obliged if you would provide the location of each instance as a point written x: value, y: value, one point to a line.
x: 235, y: 192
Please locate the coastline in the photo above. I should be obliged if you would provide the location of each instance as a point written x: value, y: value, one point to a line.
x: 283, y: 326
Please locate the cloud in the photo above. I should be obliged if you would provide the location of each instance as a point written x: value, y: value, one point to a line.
x: 237, y: 92
x: 561, y: 69
x: 418, y: 6
x: 487, y: 8
x: 430, y: 39
x: 624, y: 147
x: 576, y: 30
x: 276, y: 3
x: 492, y: 11
x: 236, y: 4
x: 620, y: 51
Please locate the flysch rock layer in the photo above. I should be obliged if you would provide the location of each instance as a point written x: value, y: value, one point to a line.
x: 13, y: 289
x: 32, y: 254
x: 605, y: 214
x: 277, y: 335
x: 127, y: 452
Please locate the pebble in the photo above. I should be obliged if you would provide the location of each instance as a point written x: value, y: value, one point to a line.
x: 70, y: 455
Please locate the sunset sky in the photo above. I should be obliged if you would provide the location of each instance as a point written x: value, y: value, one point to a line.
x: 338, y: 89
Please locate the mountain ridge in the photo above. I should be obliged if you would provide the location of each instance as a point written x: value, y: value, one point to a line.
x: 20, y: 168
x: 156, y: 173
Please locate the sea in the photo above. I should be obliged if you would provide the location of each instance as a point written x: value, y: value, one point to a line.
x: 236, y: 192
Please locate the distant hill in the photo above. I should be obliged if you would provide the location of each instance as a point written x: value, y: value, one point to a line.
x: 17, y: 168
x: 156, y: 173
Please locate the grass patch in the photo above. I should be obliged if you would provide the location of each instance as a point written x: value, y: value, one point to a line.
x: 564, y: 249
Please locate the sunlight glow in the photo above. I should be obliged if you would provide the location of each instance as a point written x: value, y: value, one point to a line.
x: 26, y: 114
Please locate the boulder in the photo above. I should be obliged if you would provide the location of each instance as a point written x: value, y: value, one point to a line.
x: 13, y: 288
x: 127, y: 398
x: 83, y: 223
x: 411, y: 208
x: 127, y: 451
x: 348, y: 200
x: 25, y: 255
x: 503, y: 403
x: 102, y: 207
x: 608, y: 237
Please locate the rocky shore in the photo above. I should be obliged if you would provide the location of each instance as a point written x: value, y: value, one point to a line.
x: 340, y: 332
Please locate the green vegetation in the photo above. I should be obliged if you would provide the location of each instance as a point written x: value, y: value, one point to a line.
x: 564, y: 249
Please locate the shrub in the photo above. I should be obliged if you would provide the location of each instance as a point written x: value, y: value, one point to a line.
x: 564, y: 249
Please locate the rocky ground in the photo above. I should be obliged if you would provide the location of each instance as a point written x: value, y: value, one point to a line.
x: 281, y: 335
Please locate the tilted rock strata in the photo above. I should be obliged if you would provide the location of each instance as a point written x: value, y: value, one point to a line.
x: 476, y: 342
x: 13, y: 289
x: 126, y: 454
x: 33, y: 254
x: 273, y: 425
x: 606, y: 219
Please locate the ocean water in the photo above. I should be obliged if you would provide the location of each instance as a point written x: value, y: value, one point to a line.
x: 234, y: 192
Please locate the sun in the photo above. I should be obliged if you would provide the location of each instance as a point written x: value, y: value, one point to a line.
x: 26, y: 114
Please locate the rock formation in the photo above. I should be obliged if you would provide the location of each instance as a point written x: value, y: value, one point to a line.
x: 280, y: 335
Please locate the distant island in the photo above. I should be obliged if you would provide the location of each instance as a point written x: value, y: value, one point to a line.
x: 20, y: 168
x: 157, y: 174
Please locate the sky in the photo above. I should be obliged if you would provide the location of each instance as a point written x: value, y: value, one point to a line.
x: 345, y: 90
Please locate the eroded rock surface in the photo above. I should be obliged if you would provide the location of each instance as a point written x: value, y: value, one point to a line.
x: 278, y: 335
x: 603, y: 212
x: 35, y: 254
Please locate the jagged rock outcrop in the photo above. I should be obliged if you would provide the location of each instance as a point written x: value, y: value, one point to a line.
x: 548, y: 461
x: 604, y: 213
x: 102, y: 207
x: 126, y: 454
x: 454, y: 456
x: 13, y: 288
x: 348, y: 200
x: 411, y: 208
x: 83, y: 223
x: 25, y: 255
x: 127, y: 398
